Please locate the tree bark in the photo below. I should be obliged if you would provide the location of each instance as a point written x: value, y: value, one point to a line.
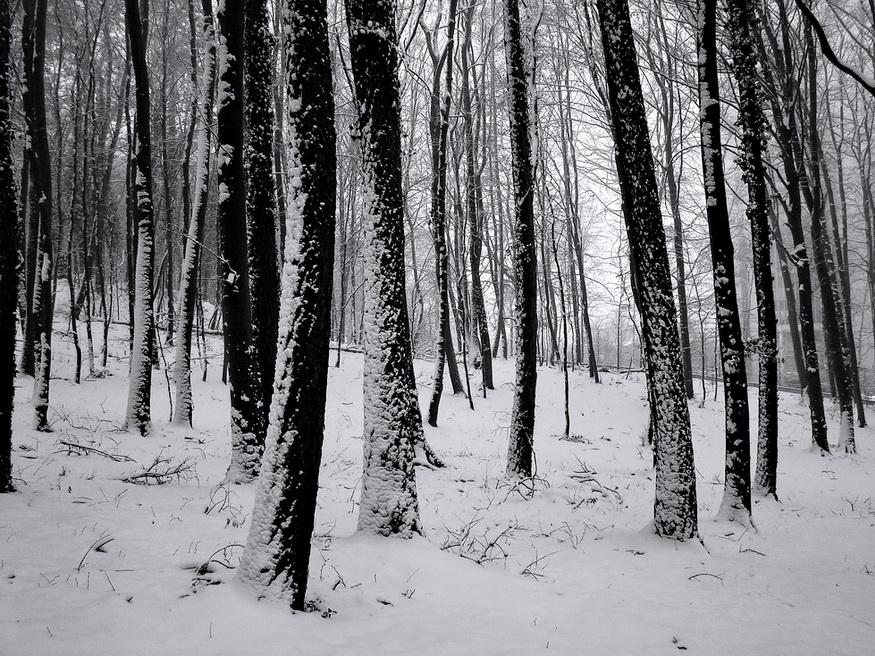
x: 736, y: 487
x: 675, y: 504
x: 277, y: 556
x: 520, y: 452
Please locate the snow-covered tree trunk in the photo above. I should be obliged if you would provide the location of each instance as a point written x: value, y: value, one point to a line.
x: 392, y: 422
x: 8, y: 256
x: 261, y: 206
x: 247, y: 443
x: 42, y: 306
x: 182, y: 410
x: 140, y: 391
x: 439, y: 115
x: 277, y: 554
x: 520, y: 451
x: 736, y: 485
x: 675, y: 504
x: 753, y: 140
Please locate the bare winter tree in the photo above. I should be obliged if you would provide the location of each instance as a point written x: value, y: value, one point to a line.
x: 182, y: 411
x: 41, y: 304
x: 247, y: 443
x: 520, y: 450
x: 277, y: 554
x: 736, y: 486
x: 675, y: 505
x: 8, y: 255
x: 392, y: 421
x: 752, y: 123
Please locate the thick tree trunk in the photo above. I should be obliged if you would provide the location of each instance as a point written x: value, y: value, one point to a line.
x: 247, y: 443
x: 736, y: 487
x: 675, y: 504
x: 520, y: 452
x: 392, y: 422
x: 277, y: 555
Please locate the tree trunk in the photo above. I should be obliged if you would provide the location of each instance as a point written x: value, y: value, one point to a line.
x: 520, y: 453
x: 42, y: 307
x: 675, y: 505
x: 247, y: 443
x: 261, y: 204
x: 188, y: 288
x: 392, y: 423
x: 277, y: 555
x: 9, y: 239
x: 752, y: 121
x: 736, y: 487
x: 439, y: 112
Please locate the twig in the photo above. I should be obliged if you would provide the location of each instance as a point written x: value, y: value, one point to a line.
x: 71, y: 446
x: 719, y: 578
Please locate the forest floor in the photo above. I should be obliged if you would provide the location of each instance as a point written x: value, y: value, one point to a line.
x: 92, y: 563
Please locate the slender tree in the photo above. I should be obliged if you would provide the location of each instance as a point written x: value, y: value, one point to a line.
x: 261, y: 202
x: 188, y: 291
x: 41, y: 304
x: 736, y: 486
x: 675, y: 504
x: 752, y: 123
x: 439, y: 122
x: 140, y: 391
x: 8, y: 254
x: 277, y: 554
x: 520, y: 451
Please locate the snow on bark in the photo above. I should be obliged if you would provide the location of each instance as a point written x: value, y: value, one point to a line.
x: 261, y: 204
x: 752, y: 123
x: 9, y: 273
x: 182, y: 411
x: 247, y: 442
x: 736, y: 488
x: 276, y: 559
x: 675, y: 503
x: 520, y: 450
x: 139, y: 393
x: 392, y: 421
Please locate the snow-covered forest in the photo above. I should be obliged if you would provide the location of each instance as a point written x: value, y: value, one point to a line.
x: 437, y: 327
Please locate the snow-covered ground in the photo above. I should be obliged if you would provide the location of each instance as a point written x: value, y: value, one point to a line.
x: 91, y: 564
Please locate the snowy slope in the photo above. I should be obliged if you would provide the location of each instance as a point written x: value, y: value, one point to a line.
x: 90, y: 564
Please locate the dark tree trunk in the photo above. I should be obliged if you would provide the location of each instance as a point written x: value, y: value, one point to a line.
x: 261, y: 204
x: 830, y: 294
x: 439, y: 112
x: 9, y: 239
x: 520, y: 452
x: 752, y: 122
x: 736, y: 487
x: 247, y: 443
x: 479, y: 326
x: 140, y: 392
x: 392, y: 422
x: 675, y: 505
x: 277, y: 555
x: 785, y: 128
x: 42, y: 306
